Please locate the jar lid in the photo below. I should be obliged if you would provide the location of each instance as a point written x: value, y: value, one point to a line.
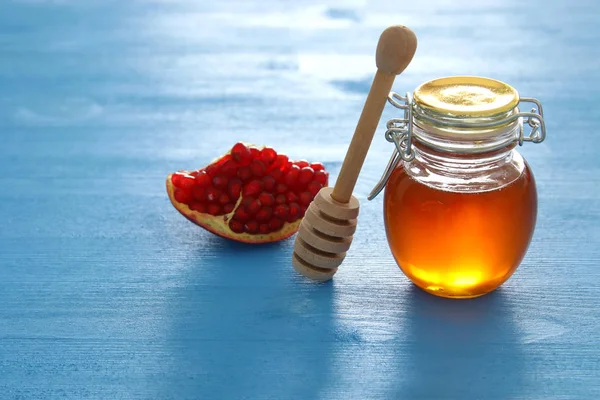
x: 466, y: 96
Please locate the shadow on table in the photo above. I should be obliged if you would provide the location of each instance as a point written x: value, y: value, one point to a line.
x: 463, y: 348
x: 244, y: 326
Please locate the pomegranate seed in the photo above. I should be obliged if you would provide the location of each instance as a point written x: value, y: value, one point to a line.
x: 246, y: 201
x: 280, y: 162
x: 221, y: 161
x: 294, y: 212
x: 219, y: 181
x: 236, y: 226
x: 257, y: 168
x: 264, y: 214
x: 229, y: 169
x: 281, y: 211
x: 224, y: 199
x: 241, y: 154
x: 203, y: 179
x: 253, y: 188
x: 228, y: 208
x: 266, y: 199
x: 306, y: 198
x: 194, y: 173
x: 213, y: 194
x: 281, y: 188
x: 306, y: 175
x: 314, y: 188
x: 317, y: 166
x: 186, y: 182
x: 251, y: 226
x: 280, y: 199
x: 287, y: 166
x: 302, y: 211
x: 275, y: 224
x: 199, y: 193
x: 244, y: 173
x: 321, y: 177
x: 183, y: 196
x: 302, y: 163
x: 214, y: 209
x: 254, y: 207
x: 212, y: 170
x: 176, y: 179
x: 269, y: 183
x: 241, y: 214
x: 291, y: 177
x: 234, y: 188
x: 268, y: 156
x: 254, y: 153
x: 276, y: 174
x: 196, y: 206
x: 263, y: 228
x: 291, y: 197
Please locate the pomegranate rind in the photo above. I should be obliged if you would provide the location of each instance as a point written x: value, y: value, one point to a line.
x: 219, y: 225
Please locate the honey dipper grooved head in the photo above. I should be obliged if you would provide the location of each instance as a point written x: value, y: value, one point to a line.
x: 395, y: 50
x: 311, y: 272
x: 324, y: 236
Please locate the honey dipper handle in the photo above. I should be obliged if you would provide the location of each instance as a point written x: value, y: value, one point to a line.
x: 395, y: 50
x: 363, y: 136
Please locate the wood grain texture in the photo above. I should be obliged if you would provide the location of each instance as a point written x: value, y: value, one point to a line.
x: 106, y: 292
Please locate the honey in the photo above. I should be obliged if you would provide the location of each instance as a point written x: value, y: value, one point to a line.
x: 459, y: 244
x: 460, y: 202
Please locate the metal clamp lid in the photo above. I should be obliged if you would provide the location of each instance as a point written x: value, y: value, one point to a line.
x: 400, y: 130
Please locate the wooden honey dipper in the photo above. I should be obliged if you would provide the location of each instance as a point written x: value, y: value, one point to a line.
x: 325, y: 234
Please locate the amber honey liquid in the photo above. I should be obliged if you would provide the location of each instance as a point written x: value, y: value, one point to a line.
x: 459, y: 244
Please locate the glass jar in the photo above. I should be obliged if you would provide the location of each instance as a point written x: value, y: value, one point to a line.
x: 460, y: 202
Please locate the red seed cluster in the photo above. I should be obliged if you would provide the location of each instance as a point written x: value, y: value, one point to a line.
x: 274, y: 189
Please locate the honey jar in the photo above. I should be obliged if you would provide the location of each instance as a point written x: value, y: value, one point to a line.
x: 460, y: 201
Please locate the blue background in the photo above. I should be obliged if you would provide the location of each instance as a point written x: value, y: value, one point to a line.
x: 107, y: 292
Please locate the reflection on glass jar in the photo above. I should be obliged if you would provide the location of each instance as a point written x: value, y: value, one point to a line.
x: 460, y: 202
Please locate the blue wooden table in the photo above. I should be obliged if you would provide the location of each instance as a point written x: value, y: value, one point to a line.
x: 107, y: 292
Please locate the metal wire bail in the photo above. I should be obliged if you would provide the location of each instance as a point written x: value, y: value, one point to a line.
x: 535, y: 119
x: 399, y: 132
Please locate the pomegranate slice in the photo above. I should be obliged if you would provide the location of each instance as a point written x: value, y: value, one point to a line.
x: 250, y: 194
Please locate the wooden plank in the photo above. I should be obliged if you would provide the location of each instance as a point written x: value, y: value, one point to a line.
x: 107, y: 292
